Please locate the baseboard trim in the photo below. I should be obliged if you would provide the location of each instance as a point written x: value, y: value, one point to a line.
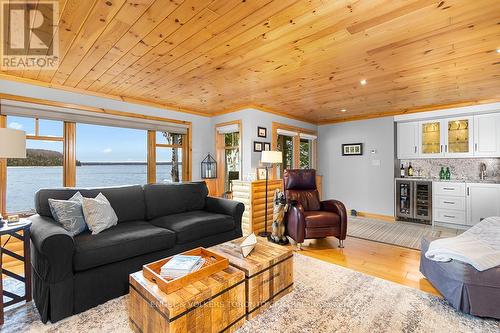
x: 377, y: 216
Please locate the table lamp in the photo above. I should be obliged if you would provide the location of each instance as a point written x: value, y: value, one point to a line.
x: 269, y: 158
x: 12, y: 145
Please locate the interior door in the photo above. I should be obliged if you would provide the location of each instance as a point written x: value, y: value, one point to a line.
x: 483, y: 200
x: 430, y: 139
x: 486, y: 136
x: 458, y: 137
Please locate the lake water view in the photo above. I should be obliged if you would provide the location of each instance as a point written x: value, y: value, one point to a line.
x: 23, y: 182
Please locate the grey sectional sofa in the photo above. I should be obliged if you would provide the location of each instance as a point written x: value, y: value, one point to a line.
x: 73, y: 274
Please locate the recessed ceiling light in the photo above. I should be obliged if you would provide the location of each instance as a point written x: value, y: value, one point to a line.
x: 498, y: 50
x: 363, y: 82
x: 343, y: 110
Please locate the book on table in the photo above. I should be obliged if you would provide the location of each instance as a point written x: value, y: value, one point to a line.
x: 181, y: 265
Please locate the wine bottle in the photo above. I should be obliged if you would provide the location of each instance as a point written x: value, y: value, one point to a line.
x: 447, y: 174
x: 410, y: 170
x: 441, y: 174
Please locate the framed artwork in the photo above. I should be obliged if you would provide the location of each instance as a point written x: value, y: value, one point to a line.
x: 261, y: 173
x: 267, y: 146
x: 261, y: 132
x: 258, y: 146
x: 352, y: 149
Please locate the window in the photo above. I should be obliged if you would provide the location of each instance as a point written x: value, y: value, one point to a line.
x: 110, y: 156
x: 298, y: 146
x: 169, y: 157
x: 231, y: 158
x: 43, y: 166
x: 285, y: 145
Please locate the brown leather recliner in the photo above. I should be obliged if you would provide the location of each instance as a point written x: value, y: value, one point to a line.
x: 307, y: 216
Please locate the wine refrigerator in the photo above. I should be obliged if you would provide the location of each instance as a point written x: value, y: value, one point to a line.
x: 414, y: 200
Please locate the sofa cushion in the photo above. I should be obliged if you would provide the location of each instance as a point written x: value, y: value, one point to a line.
x: 167, y: 199
x: 127, y: 201
x: 193, y: 225
x: 320, y: 219
x: 123, y: 241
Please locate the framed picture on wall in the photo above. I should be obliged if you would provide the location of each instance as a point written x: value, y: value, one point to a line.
x: 352, y: 149
x: 261, y: 173
x: 261, y: 132
x: 258, y: 146
x: 267, y: 146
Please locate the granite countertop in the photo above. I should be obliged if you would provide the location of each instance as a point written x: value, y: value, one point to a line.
x: 490, y: 180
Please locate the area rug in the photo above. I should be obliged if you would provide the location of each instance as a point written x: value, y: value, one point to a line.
x: 405, y: 234
x: 326, y: 298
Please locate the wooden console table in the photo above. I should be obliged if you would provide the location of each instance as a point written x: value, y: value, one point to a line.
x: 21, y: 231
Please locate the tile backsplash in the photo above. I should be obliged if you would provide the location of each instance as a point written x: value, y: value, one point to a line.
x: 461, y: 168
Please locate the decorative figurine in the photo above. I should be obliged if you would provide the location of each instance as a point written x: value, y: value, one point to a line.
x: 278, y: 227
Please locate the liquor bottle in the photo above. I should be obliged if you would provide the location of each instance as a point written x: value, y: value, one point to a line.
x: 447, y: 174
x: 441, y: 174
x: 402, y: 171
x: 410, y: 170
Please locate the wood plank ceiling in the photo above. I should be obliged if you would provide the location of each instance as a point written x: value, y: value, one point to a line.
x: 302, y: 58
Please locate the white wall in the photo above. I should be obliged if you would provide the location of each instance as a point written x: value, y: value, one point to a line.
x: 251, y: 119
x: 203, y: 137
x: 358, y: 181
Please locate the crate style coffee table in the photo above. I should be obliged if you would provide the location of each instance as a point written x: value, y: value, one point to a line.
x: 268, y: 271
x: 212, y: 304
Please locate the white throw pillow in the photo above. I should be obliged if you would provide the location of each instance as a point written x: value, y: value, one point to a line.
x: 99, y: 214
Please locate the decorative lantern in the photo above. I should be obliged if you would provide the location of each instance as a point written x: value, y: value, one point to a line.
x: 209, y: 168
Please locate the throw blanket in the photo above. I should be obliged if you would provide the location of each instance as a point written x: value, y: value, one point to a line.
x: 479, y: 246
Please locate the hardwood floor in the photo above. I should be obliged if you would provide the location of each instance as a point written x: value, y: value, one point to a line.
x: 389, y: 262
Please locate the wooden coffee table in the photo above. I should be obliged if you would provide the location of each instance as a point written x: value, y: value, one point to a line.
x: 268, y: 271
x: 212, y: 304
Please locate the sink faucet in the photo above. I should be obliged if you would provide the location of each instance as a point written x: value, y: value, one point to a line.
x: 482, y: 174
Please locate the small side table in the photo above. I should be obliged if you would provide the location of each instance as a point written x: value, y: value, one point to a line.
x: 13, y: 230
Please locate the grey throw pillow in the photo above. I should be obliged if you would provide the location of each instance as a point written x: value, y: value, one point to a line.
x: 98, y: 213
x: 69, y: 213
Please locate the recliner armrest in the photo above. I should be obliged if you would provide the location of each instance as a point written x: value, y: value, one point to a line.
x: 55, y: 245
x: 338, y: 208
x: 295, y: 222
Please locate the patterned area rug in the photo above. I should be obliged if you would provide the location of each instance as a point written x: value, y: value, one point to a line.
x: 405, y: 234
x: 326, y: 298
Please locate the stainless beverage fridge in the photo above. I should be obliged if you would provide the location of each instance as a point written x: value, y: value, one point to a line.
x: 414, y: 200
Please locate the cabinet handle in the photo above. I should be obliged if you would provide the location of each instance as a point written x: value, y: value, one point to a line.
x: 448, y: 188
x: 446, y: 148
x: 468, y: 191
x: 449, y: 202
x: 441, y: 149
x: 415, y: 149
x: 475, y: 146
x: 449, y: 216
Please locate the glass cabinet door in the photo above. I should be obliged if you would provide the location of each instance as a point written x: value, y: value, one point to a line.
x: 459, y: 136
x: 431, y: 138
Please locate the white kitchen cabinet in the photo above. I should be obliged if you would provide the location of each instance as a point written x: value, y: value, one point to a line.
x: 483, y: 200
x: 407, y: 136
x: 486, y: 135
x: 430, y: 138
x: 458, y: 137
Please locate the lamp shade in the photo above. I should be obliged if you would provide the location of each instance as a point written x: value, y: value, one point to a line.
x: 272, y: 157
x: 12, y: 143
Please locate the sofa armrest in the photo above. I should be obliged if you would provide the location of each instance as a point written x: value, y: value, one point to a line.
x: 338, y: 208
x: 227, y: 207
x: 295, y: 222
x: 55, y: 246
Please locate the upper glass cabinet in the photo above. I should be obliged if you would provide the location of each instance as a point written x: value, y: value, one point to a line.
x: 431, y: 138
x: 459, y: 136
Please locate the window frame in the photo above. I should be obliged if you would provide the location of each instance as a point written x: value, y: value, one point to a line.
x: 69, y: 146
x: 152, y: 161
x: 220, y: 154
x: 296, y: 145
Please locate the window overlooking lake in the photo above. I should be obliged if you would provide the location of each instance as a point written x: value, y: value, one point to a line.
x: 169, y: 158
x: 43, y: 166
x: 110, y: 156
